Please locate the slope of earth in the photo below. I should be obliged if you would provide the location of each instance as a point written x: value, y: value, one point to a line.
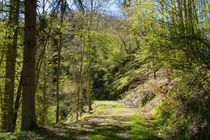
x: 110, y: 120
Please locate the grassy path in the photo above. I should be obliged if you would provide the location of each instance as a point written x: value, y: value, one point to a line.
x: 110, y: 120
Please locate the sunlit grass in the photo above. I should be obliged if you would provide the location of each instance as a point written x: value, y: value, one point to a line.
x: 139, y: 128
x: 102, y: 106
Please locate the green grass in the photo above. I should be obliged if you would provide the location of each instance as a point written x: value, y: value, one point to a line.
x: 139, y: 128
x: 102, y: 106
x: 105, y: 132
x: 24, y: 135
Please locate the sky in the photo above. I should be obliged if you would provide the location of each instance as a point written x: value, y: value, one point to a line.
x: 113, y: 8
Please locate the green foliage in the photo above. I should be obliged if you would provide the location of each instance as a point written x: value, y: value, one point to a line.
x: 171, y: 38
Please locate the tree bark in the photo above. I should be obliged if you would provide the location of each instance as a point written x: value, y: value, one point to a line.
x: 28, y: 99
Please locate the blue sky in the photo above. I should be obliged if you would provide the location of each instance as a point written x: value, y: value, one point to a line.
x: 112, y: 8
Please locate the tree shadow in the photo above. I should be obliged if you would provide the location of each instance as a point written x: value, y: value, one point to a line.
x: 107, y: 132
x: 61, y: 134
x: 45, y: 134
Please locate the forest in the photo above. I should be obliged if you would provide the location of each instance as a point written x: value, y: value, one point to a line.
x: 104, y: 70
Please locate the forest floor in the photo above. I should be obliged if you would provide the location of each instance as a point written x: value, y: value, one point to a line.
x: 109, y: 120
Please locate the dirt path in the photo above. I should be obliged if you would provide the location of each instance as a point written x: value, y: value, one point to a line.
x: 110, y: 120
x: 107, y: 122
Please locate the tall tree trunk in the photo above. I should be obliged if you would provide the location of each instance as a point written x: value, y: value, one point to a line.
x: 59, y: 61
x: 80, y: 83
x: 89, y: 89
x: 43, y: 120
x: 7, y: 118
x: 28, y: 99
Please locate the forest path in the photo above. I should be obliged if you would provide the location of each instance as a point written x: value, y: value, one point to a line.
x: 110, y: 120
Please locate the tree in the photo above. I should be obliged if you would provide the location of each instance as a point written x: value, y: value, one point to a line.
x: 7, y: 118
x: 59, y: 60
x: 28, y: 99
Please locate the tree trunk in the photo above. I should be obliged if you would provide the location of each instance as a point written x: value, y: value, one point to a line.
x: 59, y: 61
x: 7, y: 118
x: 44, y: 98
x: 45, y: 80
x: 17, y: 101
x: 78, y: 97
x: 89, y: 87
x: 28, y: 99
x: 80, y: 84
x: 58, y: 82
